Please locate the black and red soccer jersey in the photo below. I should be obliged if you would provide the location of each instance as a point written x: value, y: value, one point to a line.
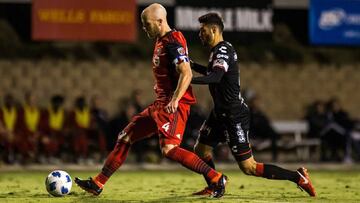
x: 170, y: 50
x: 229, y: 120
x: 222, y: 76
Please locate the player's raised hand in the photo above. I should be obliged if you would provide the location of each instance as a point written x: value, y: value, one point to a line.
x: 172, y: 106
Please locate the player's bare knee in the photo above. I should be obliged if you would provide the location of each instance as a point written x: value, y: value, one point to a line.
x: 167, y: 148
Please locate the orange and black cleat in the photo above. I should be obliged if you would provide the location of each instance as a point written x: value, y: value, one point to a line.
x: 219, y: 187
x: 89, y: 186
x: 305, y: 183
x: 206, y: 191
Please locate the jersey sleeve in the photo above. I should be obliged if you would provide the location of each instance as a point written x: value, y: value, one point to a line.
x: 177, y: 53
x: 198, y: 68
x: 221, y: 58
x: 214, y: 77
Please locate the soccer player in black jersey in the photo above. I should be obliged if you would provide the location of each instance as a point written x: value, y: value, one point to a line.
x: 229, y: 119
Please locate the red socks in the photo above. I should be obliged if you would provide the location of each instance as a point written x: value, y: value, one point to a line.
x: 193, y: 162
x: 259, y: 169
x: 188, y: 159
x: 114, y: 160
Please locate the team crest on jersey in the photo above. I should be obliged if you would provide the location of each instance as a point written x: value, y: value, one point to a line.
x: 181, y: 51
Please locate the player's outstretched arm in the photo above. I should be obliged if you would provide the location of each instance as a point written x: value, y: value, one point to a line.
x: 214, y: 77
x: 184, y: 81
x: 198, y: 68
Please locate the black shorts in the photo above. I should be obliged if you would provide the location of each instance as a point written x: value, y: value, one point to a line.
x: 231, y: 127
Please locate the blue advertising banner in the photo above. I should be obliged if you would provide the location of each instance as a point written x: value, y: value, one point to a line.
x: 335, y: 22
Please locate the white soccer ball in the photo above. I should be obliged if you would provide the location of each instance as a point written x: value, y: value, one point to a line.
x: 58, y: 183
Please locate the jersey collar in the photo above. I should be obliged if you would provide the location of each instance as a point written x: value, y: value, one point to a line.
x: 217, y: 45
x: 166, y: 34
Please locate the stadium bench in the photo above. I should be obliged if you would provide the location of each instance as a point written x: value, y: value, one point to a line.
x: 297, y: 140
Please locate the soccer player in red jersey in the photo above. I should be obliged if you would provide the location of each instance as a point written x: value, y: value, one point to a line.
x: 168, y: 114
x: 229, y: 120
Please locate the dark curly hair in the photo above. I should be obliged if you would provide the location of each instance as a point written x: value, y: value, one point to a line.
x: 212, y: 19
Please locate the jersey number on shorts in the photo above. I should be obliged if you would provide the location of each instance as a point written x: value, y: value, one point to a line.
x: 166, y: 126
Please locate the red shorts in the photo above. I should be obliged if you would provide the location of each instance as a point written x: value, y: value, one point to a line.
x: 154, y: 120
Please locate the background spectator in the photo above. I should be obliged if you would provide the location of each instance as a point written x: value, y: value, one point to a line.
x: 85, y: 133
x: 137, y: 100
x: 101, y: 118
x: 195, y: 120
x: 54, y: 140
x: 336, y: 134
x: 316, y: 118
x: 8, y: 122
x: 260, y: 127
x: 28, y: 128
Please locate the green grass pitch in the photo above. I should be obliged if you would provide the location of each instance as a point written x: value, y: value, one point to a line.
x: 177, y: 186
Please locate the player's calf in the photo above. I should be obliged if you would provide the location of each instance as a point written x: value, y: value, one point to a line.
x: 248, y: 166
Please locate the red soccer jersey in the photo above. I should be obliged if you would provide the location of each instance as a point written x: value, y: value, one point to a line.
x: 169, y: 51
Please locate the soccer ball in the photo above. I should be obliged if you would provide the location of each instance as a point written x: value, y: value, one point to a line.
x: 58, y: 183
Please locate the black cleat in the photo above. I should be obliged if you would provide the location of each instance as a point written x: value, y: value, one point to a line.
x: 89, y: 186
x: 219, y: 187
